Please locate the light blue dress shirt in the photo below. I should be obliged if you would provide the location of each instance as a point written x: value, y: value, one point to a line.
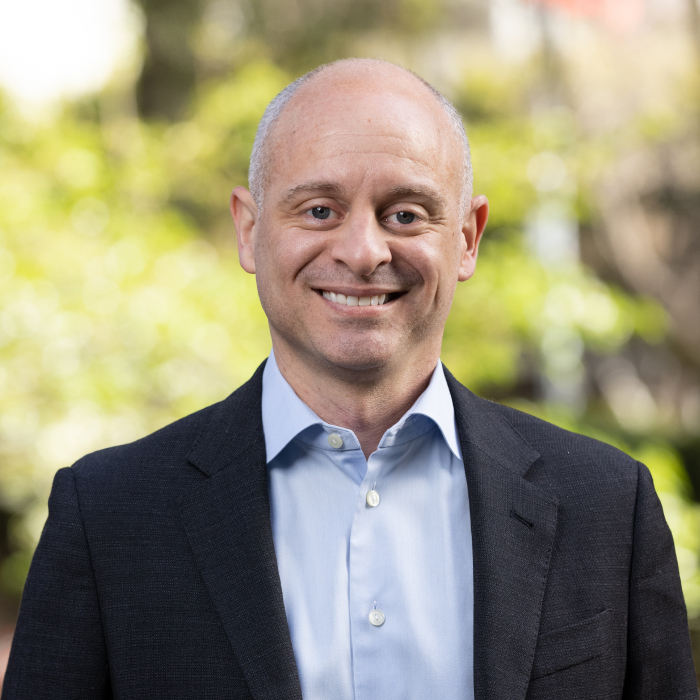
x: 340, y: 558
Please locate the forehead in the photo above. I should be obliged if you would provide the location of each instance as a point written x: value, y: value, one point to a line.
x: 352, y: 123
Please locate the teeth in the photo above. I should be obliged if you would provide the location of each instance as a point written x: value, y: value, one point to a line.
x: 376, y: 300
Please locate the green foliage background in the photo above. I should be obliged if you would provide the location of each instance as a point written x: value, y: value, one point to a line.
x: 122, y: 305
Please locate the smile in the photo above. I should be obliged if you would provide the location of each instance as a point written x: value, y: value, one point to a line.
x: 377, y: 300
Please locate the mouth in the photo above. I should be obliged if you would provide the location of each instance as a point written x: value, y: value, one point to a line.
x: 347, y: 300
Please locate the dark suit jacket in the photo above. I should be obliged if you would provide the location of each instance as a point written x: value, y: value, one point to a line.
x: 156, y: 578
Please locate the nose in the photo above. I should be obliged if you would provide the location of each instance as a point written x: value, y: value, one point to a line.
x: 362, y: 244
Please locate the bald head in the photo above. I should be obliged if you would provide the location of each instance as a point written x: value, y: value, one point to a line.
x: 327, y: 84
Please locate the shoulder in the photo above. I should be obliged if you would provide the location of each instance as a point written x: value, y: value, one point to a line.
x: 550, y: 439
x: 577, y: 468
x: 559, y: 460
x: 596, y: 486
x: 167, y: 457
x: 161, y: 454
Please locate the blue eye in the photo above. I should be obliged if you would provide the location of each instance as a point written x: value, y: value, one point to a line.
x: 403, y: 217
x: 320, y: 212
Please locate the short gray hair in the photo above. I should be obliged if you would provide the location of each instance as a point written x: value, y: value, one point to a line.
x: 259, y: 158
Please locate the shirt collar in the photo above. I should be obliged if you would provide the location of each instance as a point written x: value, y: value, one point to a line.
x: 434, y: 403
x: 285, y: 415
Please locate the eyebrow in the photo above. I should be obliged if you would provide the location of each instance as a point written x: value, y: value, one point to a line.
x: 421, y: 192
x: 317, y: 187
x: 333, y: 189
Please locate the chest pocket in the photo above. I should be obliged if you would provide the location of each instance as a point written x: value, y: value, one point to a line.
x: 571, y: 645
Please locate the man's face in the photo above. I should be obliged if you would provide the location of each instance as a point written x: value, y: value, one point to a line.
x: 362, y: 239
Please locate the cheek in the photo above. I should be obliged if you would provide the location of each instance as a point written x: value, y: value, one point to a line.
x: 435, y: 258
x: 303, y: 247
x: 283, y: 260
x: 280, y: 254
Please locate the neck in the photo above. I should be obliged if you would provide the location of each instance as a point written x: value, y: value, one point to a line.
x: 366, y: 402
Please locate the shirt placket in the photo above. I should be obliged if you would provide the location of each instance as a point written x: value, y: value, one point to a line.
x: 367, y: 591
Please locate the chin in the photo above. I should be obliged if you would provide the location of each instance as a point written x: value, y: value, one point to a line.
x: 359, y: 355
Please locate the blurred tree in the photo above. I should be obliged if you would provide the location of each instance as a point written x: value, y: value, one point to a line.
x: 301, y: 35
x: 122, y: 306
x: 641, y: 234
x: 694, y: 15
x: 189, y: 41
x: 168, y: 76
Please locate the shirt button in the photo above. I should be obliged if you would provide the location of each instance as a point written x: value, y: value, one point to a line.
x: 376, y: 617
x: 372, y: 499
x: 334, y: 440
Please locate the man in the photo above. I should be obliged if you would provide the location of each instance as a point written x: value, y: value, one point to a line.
x: 352, y: 522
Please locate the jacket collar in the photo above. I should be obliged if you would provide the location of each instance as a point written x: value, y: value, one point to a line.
x: 227, y: 519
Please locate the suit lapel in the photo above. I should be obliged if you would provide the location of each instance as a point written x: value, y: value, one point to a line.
x: 227, y: 519
x: 513, y: 526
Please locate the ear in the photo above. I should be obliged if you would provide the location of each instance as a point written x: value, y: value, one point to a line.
x: 474, y: 224
x: 244, y: 211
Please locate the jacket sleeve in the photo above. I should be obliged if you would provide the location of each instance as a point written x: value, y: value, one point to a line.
x: 58, y: 650
x: 659, y: 658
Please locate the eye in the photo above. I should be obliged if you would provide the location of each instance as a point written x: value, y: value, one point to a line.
x: 402, y: 217
x: 320, y: 212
